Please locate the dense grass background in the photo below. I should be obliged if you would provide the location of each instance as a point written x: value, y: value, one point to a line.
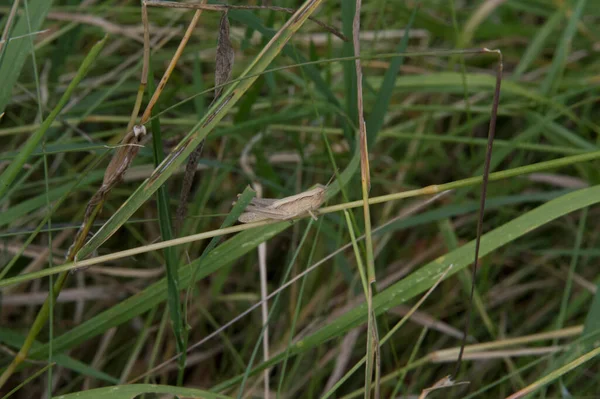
x: 427, y: 109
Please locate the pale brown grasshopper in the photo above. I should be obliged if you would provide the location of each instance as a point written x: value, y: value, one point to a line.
x: 285, y: 208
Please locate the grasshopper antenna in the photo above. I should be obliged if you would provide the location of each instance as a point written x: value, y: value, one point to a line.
x: 332, y: 177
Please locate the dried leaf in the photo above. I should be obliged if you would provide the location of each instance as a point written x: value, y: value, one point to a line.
x: 121, y: 160
x: 223, y: 67
x: 225, y: 55
x: 445, y: 382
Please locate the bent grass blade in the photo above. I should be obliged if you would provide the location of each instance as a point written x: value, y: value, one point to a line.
x: 223, y: 104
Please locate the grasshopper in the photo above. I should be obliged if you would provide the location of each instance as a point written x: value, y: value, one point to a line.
x: 285, y: 208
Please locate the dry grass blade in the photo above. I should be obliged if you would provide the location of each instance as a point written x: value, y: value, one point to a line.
x: 555, y: 374
x: 262, y: 260
x: 486, y: 176
x: 409, y: 211
x: 391, y: 333
x: 445, y: 382
x: 197, y: 133
x: 6, y: 179
x: 426, y: 114
x: 226, y: 7
x: 8, y: 26
x: 223, y: 67
x: 372, y: 333
x: 225, y: 55
x: 114, y: 173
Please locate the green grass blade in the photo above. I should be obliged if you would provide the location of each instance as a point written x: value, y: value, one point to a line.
x: 166, y: 232
x: 223, y: 255
x: 447, y: 82
x: 241, y: 204
x: 15, y: 340
x: 559, y: 62
x: 536, y: 46
x: 273, y: 309
x: 348, y: 10
x: 592, y: 320
x: 426, y: 276
x: 423, y: 278
x: 555, y: 375
x: 15, y: 52
x: 383, y: 97
x: 16, y: 165
x: 134, y: 390
x: 313, y: 73
x: 219, y: 109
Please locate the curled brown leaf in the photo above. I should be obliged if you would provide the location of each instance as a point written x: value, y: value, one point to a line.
x: 225, y: 55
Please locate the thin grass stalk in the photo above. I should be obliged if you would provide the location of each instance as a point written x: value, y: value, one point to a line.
x: 227, y: 7
x: 429, y: 190
x: 548, y: 378
x: 368, y: 299
x: 297, y: 310
x: 167, y: 74
x: 273, y: 308
x: 43, y: 222
x: 7, y: 28
x: 359, y: 263
x: 29, y: 380
x: 5, y: 180
x: 170, y: 257
x: 560, y: 320
x: 162, y: 327
x: 410, y: 211
x: 411, y: 359
x: 483, y: 196
x: 465, y: 278
x: 48, y: 207
x: 388, y: 335
x: 365, y: 178
x: 138, y: 346
x: 11, y: 172
x: 199, y: 132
